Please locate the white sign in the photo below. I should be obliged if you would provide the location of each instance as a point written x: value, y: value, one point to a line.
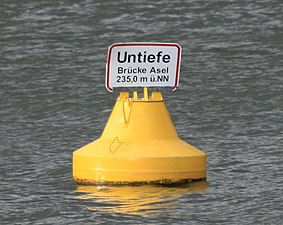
x: 143, y: 65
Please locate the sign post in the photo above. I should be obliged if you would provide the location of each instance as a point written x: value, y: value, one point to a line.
x: 143, y: 65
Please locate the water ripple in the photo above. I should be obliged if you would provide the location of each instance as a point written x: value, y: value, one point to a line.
x: 53, y: 101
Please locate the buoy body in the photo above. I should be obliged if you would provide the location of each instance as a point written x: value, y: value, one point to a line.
x: 139, y: 145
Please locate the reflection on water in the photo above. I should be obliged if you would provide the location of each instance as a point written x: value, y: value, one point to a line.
x: 145, y: 200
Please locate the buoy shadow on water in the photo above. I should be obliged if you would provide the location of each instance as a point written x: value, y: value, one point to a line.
x: 139, y: 145
x: 142, y: 200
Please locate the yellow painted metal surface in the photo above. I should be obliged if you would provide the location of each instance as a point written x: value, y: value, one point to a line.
x: 139, y: 145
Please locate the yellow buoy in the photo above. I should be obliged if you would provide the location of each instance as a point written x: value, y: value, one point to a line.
x: 139, y: 145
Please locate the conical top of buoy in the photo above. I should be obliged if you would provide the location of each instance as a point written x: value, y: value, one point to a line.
x: 139, y: 145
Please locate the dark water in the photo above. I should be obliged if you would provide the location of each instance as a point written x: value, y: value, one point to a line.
x: 229, y: 103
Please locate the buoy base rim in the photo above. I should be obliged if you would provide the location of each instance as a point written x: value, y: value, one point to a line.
x: 164, y: 182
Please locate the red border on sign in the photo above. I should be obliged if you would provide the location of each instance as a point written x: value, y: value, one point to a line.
x: 107, y: 83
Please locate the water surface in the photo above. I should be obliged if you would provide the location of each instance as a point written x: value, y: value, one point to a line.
x: 229, y: 104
